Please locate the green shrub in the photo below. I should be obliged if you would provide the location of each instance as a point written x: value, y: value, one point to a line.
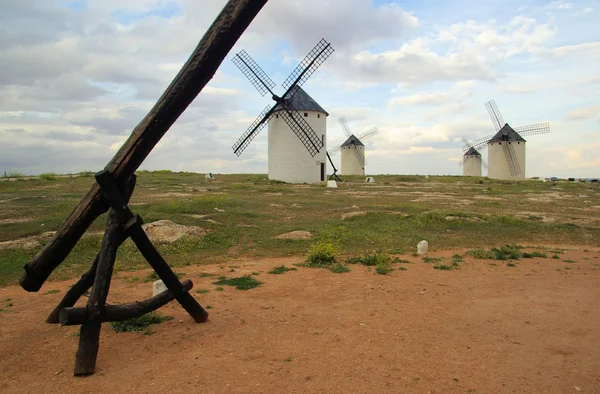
x: 322, y: 254
x: 47, y: 177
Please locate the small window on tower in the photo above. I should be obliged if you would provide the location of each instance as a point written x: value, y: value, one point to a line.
x: 318, y: 115
x: 277, y: 116
x: 323, y: 139
x: 306, y: 114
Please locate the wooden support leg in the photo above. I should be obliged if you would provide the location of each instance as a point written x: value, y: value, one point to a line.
x: 133, y: 228
x: 85, y: 360
x: 87, y: 280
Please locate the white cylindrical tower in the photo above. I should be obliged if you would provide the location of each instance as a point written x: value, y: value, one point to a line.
x: 289, y: 160
x: 353, y: 157
x: 499, y: 161
x: 472, y: 163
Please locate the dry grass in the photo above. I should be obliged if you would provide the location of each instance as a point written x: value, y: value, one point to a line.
x: 245, y: 213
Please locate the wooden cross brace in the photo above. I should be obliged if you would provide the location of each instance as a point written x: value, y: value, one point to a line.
x: 120, y: 225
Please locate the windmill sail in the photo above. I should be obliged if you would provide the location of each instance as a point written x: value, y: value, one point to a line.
x: 261, y: 81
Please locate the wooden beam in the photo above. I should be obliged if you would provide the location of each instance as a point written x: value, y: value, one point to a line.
x: 195, y: 74
x: 73, y: 316
x: 87, y: 280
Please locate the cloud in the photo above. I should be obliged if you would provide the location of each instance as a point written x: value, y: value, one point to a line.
x: 78, y: 79
x: 462, y: 51
x: 304, y: 23
x: 584, y: 113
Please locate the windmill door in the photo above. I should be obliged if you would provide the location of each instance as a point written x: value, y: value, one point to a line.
x: 322, y: 172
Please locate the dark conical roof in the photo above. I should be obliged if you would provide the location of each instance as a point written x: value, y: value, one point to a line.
x: 472, y: 152
x: 352, y: 140
x: 506, y: 133
x: 301, y: 101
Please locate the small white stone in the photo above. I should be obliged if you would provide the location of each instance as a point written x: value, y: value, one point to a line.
x: 422, y: 247
x: 158, y: 287
x: 332, y: 184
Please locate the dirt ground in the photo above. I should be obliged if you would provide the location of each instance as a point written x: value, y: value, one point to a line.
x: 483, y: 328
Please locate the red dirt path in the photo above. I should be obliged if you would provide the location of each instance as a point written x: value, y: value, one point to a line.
x: 486, y: 329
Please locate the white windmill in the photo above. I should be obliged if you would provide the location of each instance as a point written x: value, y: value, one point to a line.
x: 353, y: 150
x: 297, y: 124
x: 506, y: 148
x: 472, y: 162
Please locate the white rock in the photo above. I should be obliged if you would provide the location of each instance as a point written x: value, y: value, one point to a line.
x: 370, y: 179
x: 331, y: 184
x: 422, y: 247
x: 158, y: 287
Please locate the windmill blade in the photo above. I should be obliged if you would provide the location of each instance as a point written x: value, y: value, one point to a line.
x: 335, y: 150
x: 345, y: 126
x: 253, y: 130
x: 307, y: 67
x: 539, y: 128
x: 511, y: 159
x: 360, y: 159
x: 483, y: 162
x: 478, y: 144
x: 302, y: 129
x: 369, y: 134
x: 495, y: 114
x: 254, y: 73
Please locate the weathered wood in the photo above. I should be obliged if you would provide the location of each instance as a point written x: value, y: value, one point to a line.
x: 195, y: 74
x: 134, y: 229
x: 74, y: 294
x: 73, y: 316
x: 87, y: 280
x: 89, y: 338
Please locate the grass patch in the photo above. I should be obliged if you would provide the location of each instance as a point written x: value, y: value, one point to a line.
x: 555, y: 256
x: 52, y: 292
x: 152, y: 277
x: 282, y: 269
x: 139, y: 324
x: 371, y: 259
x: 432, y: 260
x: 383, y: 269
x: 339, y: 268
x: 202, y: 291
x: 532, y: 255
x: 246, y: 282
x: 457, y: 258
x: 569, y: 261
x: 505, y: 252
x: 205, y: 275
x: 47, y: 177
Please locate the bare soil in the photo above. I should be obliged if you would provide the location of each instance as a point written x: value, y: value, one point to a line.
x: 485, y: 328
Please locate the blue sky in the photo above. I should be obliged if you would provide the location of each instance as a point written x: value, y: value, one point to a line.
x: 418, y: 70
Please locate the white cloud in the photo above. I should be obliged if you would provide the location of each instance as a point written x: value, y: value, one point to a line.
x: 421, y: 82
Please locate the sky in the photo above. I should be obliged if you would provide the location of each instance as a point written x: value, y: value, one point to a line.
x: 78, y: 76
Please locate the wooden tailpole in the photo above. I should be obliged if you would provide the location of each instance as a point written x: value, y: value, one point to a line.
x: 85, y: 362
x: 121, y: 224
x: 216, y: 43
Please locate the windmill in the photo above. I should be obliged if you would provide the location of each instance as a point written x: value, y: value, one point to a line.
x: 353, y: 150
x: 297, y: 123
x: 506, y: 147
x: 472, y: 161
